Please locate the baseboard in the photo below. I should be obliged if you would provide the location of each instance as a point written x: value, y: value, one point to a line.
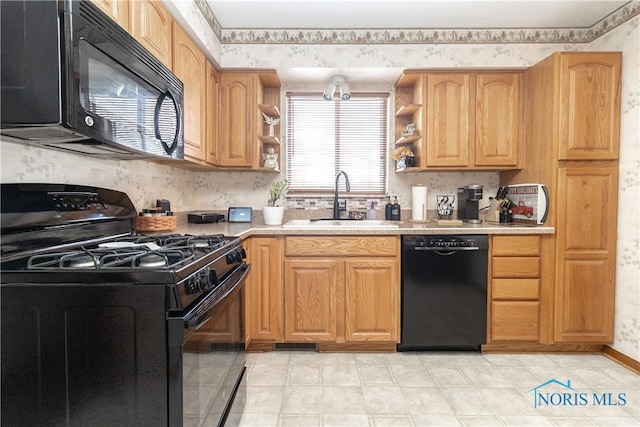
x: 622, y: 359
x: 541, y: 348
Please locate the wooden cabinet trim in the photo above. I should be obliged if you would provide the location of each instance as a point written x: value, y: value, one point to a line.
x: 332, y: 246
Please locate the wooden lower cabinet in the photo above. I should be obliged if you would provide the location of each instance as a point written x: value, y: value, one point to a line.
x: 514, y: 294
x: 585, y: 252
x: 264, y: 289
x: 310, y: 299
x: 371, y: 300
x: 338, y: 291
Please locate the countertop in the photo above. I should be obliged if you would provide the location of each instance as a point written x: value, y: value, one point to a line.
x: 245, y: 230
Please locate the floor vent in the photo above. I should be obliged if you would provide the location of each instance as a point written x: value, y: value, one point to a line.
x: 295, y: 346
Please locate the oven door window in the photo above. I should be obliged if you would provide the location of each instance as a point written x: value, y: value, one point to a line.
x: 213, y: 364
x: 125, y: 108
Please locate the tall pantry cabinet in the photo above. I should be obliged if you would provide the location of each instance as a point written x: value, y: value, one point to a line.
x: 572, y: 120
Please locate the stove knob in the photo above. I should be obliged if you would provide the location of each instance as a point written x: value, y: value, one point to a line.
x: 205, y: 283
x: 243, y: 253
x: 230, y: 258
x: 238, y: 256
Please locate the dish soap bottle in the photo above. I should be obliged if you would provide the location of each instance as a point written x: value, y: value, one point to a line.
x: 387, y: 210
x: 395, y: 210
x: 371, y: 215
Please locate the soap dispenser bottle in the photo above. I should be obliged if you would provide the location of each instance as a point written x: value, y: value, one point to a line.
x: 371, y: 214
x: 387, y: 210
x: 395, y: 210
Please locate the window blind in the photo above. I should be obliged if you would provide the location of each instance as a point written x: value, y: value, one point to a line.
x: 326, y: 137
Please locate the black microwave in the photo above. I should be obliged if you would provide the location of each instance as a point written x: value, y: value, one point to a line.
x: 73, y: 79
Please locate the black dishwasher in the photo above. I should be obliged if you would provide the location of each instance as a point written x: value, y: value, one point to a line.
x: 444, y: 292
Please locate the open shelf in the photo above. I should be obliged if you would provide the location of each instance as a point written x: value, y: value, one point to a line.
x: 407, y: 139
x: 265, y: 139
x: 407, y: 110
x: 270, y: 110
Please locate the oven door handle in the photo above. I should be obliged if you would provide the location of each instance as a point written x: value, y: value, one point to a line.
x: 198, y: 315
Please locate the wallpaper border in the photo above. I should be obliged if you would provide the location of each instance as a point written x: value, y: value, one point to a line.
x: 419, y: 36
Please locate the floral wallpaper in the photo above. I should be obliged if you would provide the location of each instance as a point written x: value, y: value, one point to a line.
x: 191, y: 190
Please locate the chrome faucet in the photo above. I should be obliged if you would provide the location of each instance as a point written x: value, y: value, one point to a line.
x: 336, y: 206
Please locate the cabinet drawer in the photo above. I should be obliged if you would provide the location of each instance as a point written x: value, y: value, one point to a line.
x: 514, y: 321
x: 515, y: 267
x: 514, y: 289
x: 342, y: 246
x: 515, y: 245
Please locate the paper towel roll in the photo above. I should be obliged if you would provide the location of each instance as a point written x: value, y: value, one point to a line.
x: 419, y: 203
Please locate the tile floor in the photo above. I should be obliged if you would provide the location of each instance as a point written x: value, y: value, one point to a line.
x: 309, y: 389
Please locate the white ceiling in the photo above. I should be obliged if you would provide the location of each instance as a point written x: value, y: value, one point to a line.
x: 415, y: 14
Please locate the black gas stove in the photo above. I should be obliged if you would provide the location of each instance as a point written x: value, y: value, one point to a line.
x: 121, y: 304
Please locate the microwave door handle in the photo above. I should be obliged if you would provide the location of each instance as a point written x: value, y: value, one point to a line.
x: 156, y: 123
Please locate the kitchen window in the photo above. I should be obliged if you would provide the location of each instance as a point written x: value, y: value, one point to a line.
x: 326, y: 137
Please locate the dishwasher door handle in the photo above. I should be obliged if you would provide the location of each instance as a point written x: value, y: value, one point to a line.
x: 444, y: 251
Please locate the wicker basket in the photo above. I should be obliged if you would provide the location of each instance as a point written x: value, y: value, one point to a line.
x: 156, y: 223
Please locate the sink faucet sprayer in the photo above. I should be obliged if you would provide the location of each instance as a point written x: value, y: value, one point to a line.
x: 336, y: 206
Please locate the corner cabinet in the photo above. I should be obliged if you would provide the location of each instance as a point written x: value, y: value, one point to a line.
x: 243, y: 135
x: 571, y: 145
x: 467, y: 121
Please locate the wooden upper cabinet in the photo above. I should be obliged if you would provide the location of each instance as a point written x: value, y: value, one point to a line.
x: 212, y: 119
x: 190, y: 67
x: 447, y: 135
x: 238, y: 130
x: 589, y: 105
x: 498, y: 112
x: 151, y: 25
x: 118, y: 10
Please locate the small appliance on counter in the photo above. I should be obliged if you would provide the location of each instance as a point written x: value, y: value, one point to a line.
x: 204, y: 217
x: 468, y: 198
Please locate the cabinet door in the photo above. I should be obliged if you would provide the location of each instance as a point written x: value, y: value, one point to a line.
x: 190, y: 67
x: 311, y: 300
x: 586, y: 243
x: 238, y: 134
x: 589, y: 105
x: 447, y: 119
x: 212, y: 120
x: 498, y: 107
x: 151, y: 26
x: 118, y: 10
x: 372, y: 307
x: 264, y: 289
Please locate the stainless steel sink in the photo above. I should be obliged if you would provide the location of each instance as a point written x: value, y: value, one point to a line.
x: 338, y: 223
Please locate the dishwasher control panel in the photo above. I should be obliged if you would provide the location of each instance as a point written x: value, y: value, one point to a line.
x: 445, y: 241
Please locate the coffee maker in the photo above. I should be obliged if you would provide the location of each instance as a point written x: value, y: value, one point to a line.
x: 468, y: 198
